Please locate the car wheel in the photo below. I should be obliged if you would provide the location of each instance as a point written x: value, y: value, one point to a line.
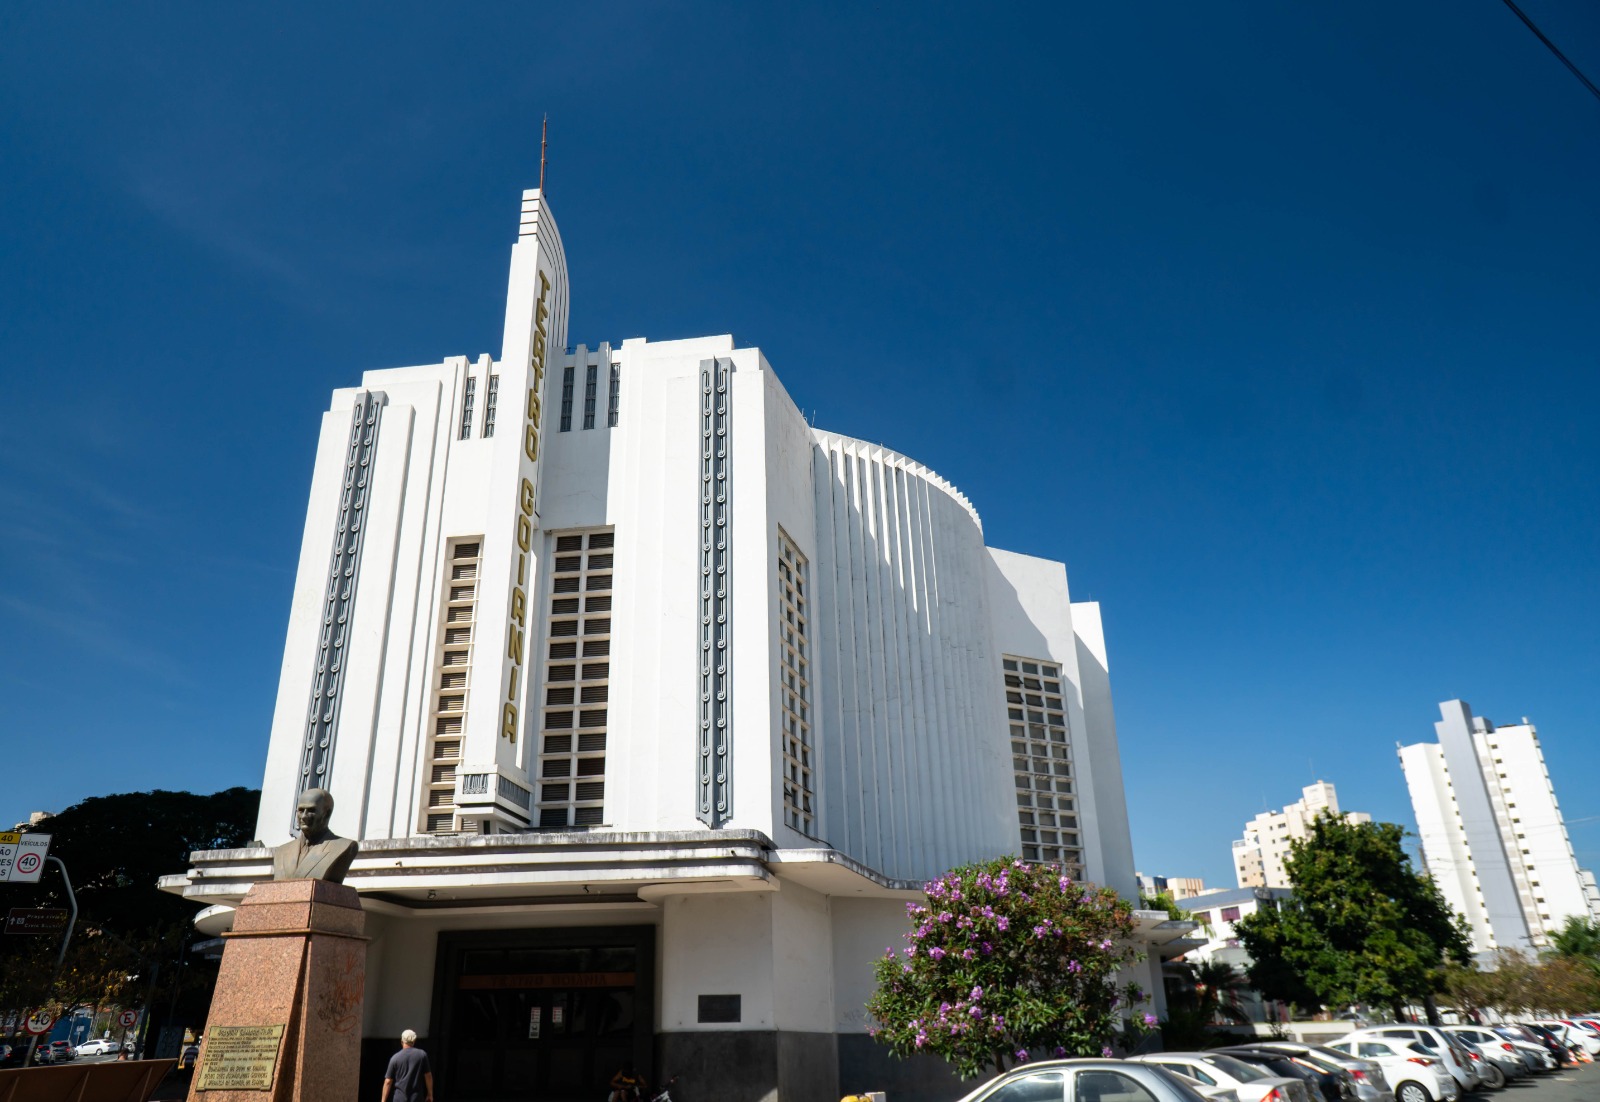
x: 1493, y: 1077
x: 1411, y: 1092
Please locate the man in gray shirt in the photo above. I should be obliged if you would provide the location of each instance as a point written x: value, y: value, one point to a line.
x: 409, y: 1078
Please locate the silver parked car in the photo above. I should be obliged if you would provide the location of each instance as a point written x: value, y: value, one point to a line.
x: 1249, y: 1083
x: 1371, y: 1086
x: 1084, y: 1081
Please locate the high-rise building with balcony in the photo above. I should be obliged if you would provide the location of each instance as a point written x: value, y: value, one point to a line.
x: 1493, y: 838
x: 1259, y: 856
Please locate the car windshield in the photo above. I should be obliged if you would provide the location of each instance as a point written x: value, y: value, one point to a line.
x: 1176, y: 1080
x: 1240, y: 1070
x: 1284, y: 1065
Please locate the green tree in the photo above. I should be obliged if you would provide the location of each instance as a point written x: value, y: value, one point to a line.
x: 1362, y: 926
x: 1163, y: 901
x: 1578, y: 939
x: 130, y: 940
x: 1003, y: 959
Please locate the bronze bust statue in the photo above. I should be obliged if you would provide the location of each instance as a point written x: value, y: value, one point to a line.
x: 318, y: 853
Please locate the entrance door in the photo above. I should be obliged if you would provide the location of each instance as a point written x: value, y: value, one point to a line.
x: 548, y: 1022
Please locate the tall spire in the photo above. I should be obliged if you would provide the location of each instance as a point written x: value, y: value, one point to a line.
x: 544, y: 144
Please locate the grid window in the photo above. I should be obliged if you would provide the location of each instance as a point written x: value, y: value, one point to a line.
x: 466, y: 407
x: 1041, y: 762
x: 794, y: 677
x: 567, y: 376
x: 615, y: 402
x: 491, y: 398
x: 590, y: 392
x: 575, y: 709
x: 451, y: 673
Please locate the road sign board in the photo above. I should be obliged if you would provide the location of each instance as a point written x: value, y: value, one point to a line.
x: 36, y: 920
x: 22, y: 856
x: 127, y: 1018
x: 39, y: 1022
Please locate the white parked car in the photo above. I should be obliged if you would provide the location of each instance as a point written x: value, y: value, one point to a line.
x: 1449, y: 1050
x: 1085, y: 1081
x: 1249, y: 1083
x: 97, y: 1047
x: 1414, y: 1071
x: 1493, y: 1048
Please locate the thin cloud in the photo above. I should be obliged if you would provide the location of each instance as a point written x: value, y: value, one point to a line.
x: 192, y: 214
x: 99, y: 639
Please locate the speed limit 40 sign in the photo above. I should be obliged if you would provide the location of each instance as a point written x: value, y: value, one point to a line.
x: 39, y: 1022
x: 22, y: 856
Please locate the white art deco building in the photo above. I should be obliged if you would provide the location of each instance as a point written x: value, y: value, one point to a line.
x: 1492, y: 833
x: 651, y: 706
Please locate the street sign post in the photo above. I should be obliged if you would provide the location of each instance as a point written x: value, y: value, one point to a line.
x: 36, y: 920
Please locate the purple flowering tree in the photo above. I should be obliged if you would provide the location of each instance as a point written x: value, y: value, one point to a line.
x: 1005, y: 959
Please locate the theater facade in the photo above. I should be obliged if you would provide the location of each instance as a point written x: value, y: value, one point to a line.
x: 651, y: 705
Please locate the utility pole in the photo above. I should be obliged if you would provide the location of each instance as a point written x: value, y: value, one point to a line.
x: 61, y: 957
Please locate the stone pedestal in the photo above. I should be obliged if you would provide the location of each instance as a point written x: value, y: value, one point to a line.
x: 295, y: 970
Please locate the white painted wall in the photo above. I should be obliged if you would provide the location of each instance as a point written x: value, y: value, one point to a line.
x: 802, y: 943
x: 862, y: 930
x: 1113, y: 832
x: 717, y: 943
x: 1444, y: 845
x: 916, y: 777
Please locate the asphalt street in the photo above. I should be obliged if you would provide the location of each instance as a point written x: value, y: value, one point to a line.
x: 1579, y: 1084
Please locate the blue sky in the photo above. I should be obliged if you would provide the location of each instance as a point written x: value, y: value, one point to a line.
x: 1277, y: 322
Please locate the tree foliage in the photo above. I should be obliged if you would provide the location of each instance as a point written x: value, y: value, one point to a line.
x: 1362, y: 926
x: 115, y: 849
x: 1555, y: 984
x: 1578, y: 939
x: 1004, y: 959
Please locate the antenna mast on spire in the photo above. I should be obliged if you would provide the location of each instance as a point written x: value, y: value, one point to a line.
x: 544, y: 144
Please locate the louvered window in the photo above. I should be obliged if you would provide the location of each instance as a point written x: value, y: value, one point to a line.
x: 794, y: 676
x: 576, y: 694
x: 466, y: 407
x: 1041, y: 761
x: 491, y: 398
x: 590, y: 385
x: 452, y: 668
x: 616, y: 395
x: 566, y: 398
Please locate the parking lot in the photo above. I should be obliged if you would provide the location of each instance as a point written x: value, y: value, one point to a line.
x: 1579, y: 1084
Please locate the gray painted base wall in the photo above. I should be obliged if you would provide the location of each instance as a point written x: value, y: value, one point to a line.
x: 773, y: 1066
x: 865, y: 1065
x: 750, y: 1066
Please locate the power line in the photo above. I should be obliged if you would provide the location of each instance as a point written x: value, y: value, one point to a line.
x: 1587, y: 83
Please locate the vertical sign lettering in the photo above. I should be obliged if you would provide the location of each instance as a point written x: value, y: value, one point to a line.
x: 517, y: 624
